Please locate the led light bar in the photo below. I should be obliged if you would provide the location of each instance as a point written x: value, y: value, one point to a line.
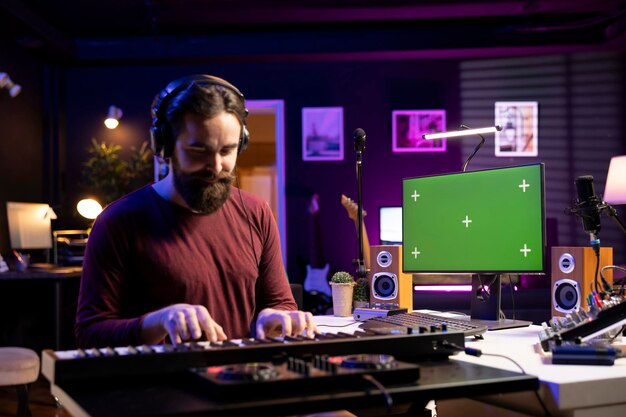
x: 465, y: 132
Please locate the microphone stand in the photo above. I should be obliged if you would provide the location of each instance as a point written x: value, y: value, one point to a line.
x: 359, y: 147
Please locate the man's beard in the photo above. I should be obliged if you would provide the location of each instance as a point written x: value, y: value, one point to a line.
x: 200, y: 196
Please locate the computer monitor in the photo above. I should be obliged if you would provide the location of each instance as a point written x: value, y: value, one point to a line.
x: 390, y: 221
x: 487, y: 222
x: 29, y: 225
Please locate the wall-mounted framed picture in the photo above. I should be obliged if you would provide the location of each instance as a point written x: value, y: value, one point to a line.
x: 322, y: 133
x: 408, y: 126
x: 520, y: 128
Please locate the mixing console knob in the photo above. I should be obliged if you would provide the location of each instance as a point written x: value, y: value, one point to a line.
x: 108, y: 351
x: 306, y: 369
x: 331, y: 367
x: 93, y: 352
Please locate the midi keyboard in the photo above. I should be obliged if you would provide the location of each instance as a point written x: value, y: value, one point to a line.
x: 81, y: 364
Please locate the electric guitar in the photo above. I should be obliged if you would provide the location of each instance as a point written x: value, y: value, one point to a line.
x: 353, y: 212
x: 317, y: 270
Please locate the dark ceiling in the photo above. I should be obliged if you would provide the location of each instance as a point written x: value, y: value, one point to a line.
x: 81, y: 30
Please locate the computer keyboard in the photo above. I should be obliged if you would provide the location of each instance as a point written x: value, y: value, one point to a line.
x: 416, y: 322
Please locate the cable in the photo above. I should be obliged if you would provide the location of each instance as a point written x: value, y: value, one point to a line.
x: 483, y: 295
x: 543, y: 405
x: 621, y: 331
x: 621, y: 290
x: 595, y: 275
x: 336, y: 325
x: 512, y: 297
x: 383, y: 390
x: 478, y: 353
x: 245, y: 209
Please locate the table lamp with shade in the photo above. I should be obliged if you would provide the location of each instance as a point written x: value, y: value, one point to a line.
x: 615, y: 189
x: 615, y: 194
x: 89, y: 208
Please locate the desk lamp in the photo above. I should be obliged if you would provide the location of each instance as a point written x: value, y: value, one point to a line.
x: 466, y: 132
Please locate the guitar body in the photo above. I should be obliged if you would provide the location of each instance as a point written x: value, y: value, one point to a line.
x: 317, y: 270
x: 317, y: 279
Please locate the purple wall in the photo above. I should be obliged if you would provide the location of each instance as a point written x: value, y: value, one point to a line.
x: 368, y: 92
x: 22, y: 162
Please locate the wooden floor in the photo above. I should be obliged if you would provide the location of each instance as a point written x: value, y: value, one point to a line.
x: 41, y: 402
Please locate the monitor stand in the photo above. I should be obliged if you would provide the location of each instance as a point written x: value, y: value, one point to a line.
x: 485, y: 304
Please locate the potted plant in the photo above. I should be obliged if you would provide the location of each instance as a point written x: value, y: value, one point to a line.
x: 361, y: 293
x: 109, y: 176
x: 342, y: 285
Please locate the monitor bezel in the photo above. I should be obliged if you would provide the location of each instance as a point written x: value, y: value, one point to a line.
x: 541, y: 166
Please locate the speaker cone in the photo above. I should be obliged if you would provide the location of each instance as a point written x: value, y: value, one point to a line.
x: 566, y: 295
x: 385, y: 285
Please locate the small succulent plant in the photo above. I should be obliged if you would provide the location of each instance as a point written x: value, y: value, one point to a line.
x: 362, y: 290
x: 342, y: 277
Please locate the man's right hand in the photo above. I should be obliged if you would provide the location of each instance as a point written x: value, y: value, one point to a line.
x: 182, y: 322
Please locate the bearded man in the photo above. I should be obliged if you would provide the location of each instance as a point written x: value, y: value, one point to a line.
x: 189, y: 257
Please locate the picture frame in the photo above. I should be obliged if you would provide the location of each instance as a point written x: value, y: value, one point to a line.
x: 322, y: 134
x: 520, y: 128
x: 408, y: 126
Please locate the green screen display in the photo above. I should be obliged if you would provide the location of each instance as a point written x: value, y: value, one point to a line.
x: 478, y: 221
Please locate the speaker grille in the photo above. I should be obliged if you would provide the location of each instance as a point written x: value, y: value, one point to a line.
x: 385, y: 285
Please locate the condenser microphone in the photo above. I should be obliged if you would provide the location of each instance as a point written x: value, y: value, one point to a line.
x: 359, y: 140
x: 588, y: 206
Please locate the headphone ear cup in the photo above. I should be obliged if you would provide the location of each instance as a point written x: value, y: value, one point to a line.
x: 162, y: 145
x: 156, y: 141
x: 244, y: 139
x: 168, y: 141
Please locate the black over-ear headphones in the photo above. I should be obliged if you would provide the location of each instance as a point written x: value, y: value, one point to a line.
x: 163, y: 139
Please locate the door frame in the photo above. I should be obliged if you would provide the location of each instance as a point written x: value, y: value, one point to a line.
x: 276, y: 108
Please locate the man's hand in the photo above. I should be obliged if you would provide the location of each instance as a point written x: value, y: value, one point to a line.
x: 272, y: 323
x: 181, y: 322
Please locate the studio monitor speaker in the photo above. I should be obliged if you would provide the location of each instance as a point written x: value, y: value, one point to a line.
x: 389, y: 285
x: 573, y: 270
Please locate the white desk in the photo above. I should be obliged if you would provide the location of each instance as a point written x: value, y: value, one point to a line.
x: 567, y: 390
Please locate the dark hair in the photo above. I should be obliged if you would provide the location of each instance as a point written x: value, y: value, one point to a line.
x: 203, y: 100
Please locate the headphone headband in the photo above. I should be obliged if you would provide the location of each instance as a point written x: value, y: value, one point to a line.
x: 163, y: 139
